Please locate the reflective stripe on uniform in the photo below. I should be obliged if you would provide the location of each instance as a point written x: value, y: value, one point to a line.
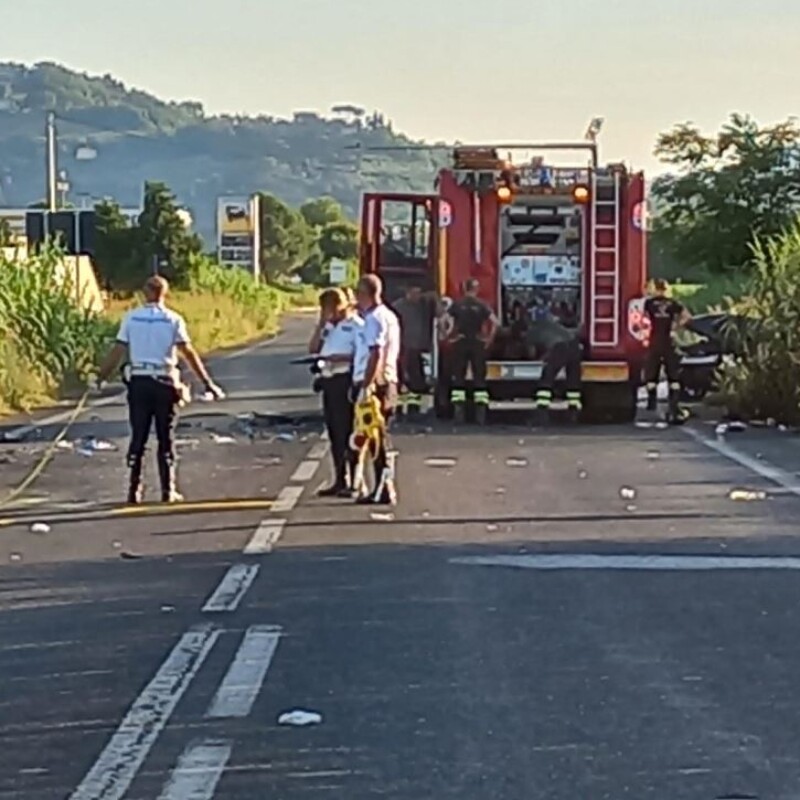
x: 674, y: 386
x: 574, y: 400
x: 458, y: 395
x: 481, y: 397
x: 651, y: 387
x: 543, y: 398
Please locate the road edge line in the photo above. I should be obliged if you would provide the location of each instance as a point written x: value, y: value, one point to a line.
x: 761, y: 468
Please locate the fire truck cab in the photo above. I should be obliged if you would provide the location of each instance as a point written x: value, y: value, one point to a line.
x: 567, y: 244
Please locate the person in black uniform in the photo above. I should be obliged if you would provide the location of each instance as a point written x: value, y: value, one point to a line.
x: 664, y: 314
x: 153, y: 336
x: 334, y: 340
x: 470, y: 317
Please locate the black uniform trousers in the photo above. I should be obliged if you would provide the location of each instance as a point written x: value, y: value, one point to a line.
x: 468, y: 352
x: 337, y: 407
x: 413, y: 370
x: 566, y: 355
x: 152, y: 400
x: 666, y: 354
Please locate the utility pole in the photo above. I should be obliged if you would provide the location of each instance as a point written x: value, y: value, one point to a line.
x: 50, y: 133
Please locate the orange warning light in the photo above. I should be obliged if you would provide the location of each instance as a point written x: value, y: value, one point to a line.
x: 580, y: 194
x: 503, y: 194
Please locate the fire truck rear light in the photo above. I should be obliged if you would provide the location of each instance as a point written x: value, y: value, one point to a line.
x: 504, y: 194
x: 580, y: 194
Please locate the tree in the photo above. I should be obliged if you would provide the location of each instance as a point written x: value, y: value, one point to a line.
x: 339, y: 240
x: 285, y: 238
x: 162, y: 235
x: 114, y: 245
x: 730, y: 191
x: 322, y: 211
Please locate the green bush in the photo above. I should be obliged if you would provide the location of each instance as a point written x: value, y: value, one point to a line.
x: 765, y: 382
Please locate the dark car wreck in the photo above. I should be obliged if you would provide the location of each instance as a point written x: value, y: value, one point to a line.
x: 714, y: 338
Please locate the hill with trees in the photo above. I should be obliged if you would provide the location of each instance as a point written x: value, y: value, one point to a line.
x: 112, y: 139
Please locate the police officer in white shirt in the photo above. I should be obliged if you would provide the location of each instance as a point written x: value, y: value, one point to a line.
x: 376, y: 369
x: 153, y: 337
x: 334, y: 340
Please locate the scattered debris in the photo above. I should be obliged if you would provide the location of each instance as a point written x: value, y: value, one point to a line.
x: 440, y: 462
x: 15, y: 557
x: 643, y: 424
x: 630, y: 508
x: 97, y: 445
x: 286, y: 437
x: 583, y: 474
x: 126, y: 555
x: 721, y: 429
x: 116, y: 544
x: 627, y: 493
x: 662, y: 426
x: 269, y: 461
x: 220, y: 439
x: 40, y: 527
x: 185, y: 441
x: 516, y: 462
x: 782, y: 428
x: 653, y: 455
x: 300, y: 718
x: 381, y: 517
x: 167, y: 609
x: 492, y: 528
x: 64, y: 444
x: 737, y: 426
x: 500, y: 490
x: 747, y: 495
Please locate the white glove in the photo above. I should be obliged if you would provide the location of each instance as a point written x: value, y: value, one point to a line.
x: 213, y: 392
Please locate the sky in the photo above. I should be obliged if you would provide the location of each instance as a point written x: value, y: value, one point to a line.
x: 475, y: 70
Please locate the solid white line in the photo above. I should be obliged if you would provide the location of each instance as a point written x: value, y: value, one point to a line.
x: 114, y: 771
x: 318, y: 451
x: 287, y: 499
x: 232, y: 588
x: 242, y: 683
x: 265, y: 537
x: 659, y: 562
x: 305, y: 471
x: 198, y: 772
x: 762, y: 468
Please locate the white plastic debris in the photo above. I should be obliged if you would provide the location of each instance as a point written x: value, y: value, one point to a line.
x: 630, y: 508
x: 440, y: 462
x: 653, y: 455
x: 300, y: 718
x: 516, y: 462
x: 721, y: 429
x: 492, y: 528
x: 286, y: 437
x: 167, y: 609
x: 662, y: 426
x: 583, y: 474
x: 747, y: 495
x: 381, y: 517
x: 218, y: 438
x: 65, y: 445
x: 644, y: 424
x: 737, y: 427
x: 40, y: 527
x: 15, y: 557
x: 627, y: 493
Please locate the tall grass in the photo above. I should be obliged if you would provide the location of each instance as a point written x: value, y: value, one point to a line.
x: 765, y: 381
x: 46, y: 341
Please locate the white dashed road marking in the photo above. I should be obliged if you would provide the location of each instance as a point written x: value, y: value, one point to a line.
x: 287, y: 499
x: 305, y: 471
x: 198, y: 771
x: 265, y: 537
x: 318, y: 451
x: 116, y: 767
x: 242, y: 683
x: 232, y: 588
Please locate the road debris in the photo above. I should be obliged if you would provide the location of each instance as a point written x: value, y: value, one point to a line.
x: 300, y: 718
x: 15, y: 557
x: 516, y: 462
x: 218, y: 438
x: 627, y: 493
x: 747, y: 495
x: 167, y: 609
x: 382, y: 517
x: 492, y: 528
x: 440, y: 463
x: 126, y: 555
x: 653, y: 455
x: 583, y: 474
x: 40, y: 527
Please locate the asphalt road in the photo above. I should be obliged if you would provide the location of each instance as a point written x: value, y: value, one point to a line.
x: 546, y: 614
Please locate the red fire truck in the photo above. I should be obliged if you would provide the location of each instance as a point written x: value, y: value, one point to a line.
x: 565, y: 242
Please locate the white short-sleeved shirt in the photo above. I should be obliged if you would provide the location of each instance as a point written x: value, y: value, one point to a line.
x: 151, y: 334
x: 382, y: 330
x: 341, y: 338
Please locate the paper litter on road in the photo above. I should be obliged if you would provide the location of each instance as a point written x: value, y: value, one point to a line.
x: 65, y: 445
x: 218, y: 438
x: 379, y: 517
x: 15, y: 557
x: 300, y: 718
x: 746, y: 495
x: 516, y: 462
x: 627, y: 493
x: 439, y: 462
x: 40, y: 527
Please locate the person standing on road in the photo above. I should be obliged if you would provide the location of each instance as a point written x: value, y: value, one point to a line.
x: 153, y: 337
x: 375, y: 370
x: 416, y: 312
x: 665, y: 314
x: 334, y: 339
x: 471, y: 340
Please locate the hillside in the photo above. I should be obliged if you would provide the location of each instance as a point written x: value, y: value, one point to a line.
x: 138, y: 137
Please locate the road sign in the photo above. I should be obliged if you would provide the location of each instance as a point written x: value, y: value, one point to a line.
x: 338, y: 273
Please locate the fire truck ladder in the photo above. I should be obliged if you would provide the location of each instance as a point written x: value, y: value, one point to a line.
x: 605, y: 258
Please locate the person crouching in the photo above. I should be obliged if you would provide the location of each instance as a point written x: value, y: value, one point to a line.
x: 334, y: 340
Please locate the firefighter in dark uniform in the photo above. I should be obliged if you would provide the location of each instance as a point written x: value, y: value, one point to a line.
x: 560, y: 348
x: 665, y: 314
x: 416, y: 312
x: 473, y: 327
x: 153, y: 336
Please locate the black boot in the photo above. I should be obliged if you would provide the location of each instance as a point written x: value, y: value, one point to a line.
x: 652, y: 401
x: 135, y: 488
x: 168, y: 476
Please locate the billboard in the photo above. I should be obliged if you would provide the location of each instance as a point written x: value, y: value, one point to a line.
x: 238, y: 227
